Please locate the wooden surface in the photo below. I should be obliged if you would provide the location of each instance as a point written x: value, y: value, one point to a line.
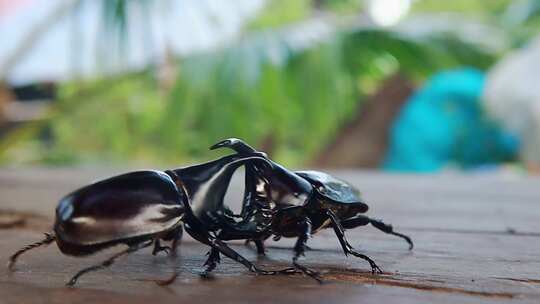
x: 477, y: 241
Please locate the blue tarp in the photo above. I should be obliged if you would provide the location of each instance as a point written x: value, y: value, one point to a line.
x: 444, y: 123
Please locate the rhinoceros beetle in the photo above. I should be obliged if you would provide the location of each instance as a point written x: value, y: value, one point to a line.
x: 141, y: 208
x: 297, y: 204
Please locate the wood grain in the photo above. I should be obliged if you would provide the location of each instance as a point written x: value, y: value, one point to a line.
x: 476, y: 241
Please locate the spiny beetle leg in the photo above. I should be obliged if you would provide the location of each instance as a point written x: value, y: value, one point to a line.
x: 374, y: 267
x: 229, y: 252
x: 176, y: 241
x: 309, y: 272
x: 232, y: 254
x: 390, y: 230
x: 49, y: 238
x: 108, y: 262
x: 211, y: 262
x: 259, y: 244
x: 362, y: 220
x: 300, y: 248
x: 347, y: 248
x: 158, y: 248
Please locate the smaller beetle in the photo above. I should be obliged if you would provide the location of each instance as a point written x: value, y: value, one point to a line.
x: 303, y: 202
x: 141, y: 208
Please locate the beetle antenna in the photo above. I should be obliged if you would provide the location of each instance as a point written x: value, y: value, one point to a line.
x: 49, y: 238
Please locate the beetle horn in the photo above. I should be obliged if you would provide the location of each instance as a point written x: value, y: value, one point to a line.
x: 49, y: 238
x: 236, y: 144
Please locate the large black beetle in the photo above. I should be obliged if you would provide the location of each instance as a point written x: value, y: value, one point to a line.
x: 141, y: 208
x: 298, y: 204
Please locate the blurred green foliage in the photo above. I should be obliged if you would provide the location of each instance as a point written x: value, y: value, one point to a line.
x: 297, y: 102
x: 279, y: 12
x: 290, y: 100
x: 479, y: 8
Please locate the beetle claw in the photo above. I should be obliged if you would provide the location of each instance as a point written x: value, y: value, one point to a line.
x: 206, y: 275
x: 158, y: 249
x: 309, y: 272
x: 71, y: 282
x: 375, y: 269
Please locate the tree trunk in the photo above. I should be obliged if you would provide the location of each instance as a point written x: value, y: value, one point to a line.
x: 363, y: 141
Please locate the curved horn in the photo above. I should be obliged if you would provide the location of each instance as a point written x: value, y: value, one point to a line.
x: 235, y: 144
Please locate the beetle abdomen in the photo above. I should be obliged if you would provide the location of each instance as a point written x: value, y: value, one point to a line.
x: 117, y: 209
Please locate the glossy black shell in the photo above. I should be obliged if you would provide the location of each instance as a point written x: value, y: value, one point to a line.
x: 334, y: 188
x: 207, y: 183
x: 120, y: 208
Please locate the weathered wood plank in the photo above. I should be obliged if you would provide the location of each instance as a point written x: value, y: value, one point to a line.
x: 464, y: 251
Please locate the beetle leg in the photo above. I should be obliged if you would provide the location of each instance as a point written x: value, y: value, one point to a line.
x: 49, y: 238
x: 238, y: 232
x: 347, y: 248
x: 174, y: 237
x: 362, y: 220
x: 230, y: 253
x: 176, y: 241
x: 202, y: 235
x: 259, y: 244
x: 211, y: 262
x: 300, y: 248
x: 108, y: 262
x: 172, y: 255
x: 158, y: 248
x: 260, y: 247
